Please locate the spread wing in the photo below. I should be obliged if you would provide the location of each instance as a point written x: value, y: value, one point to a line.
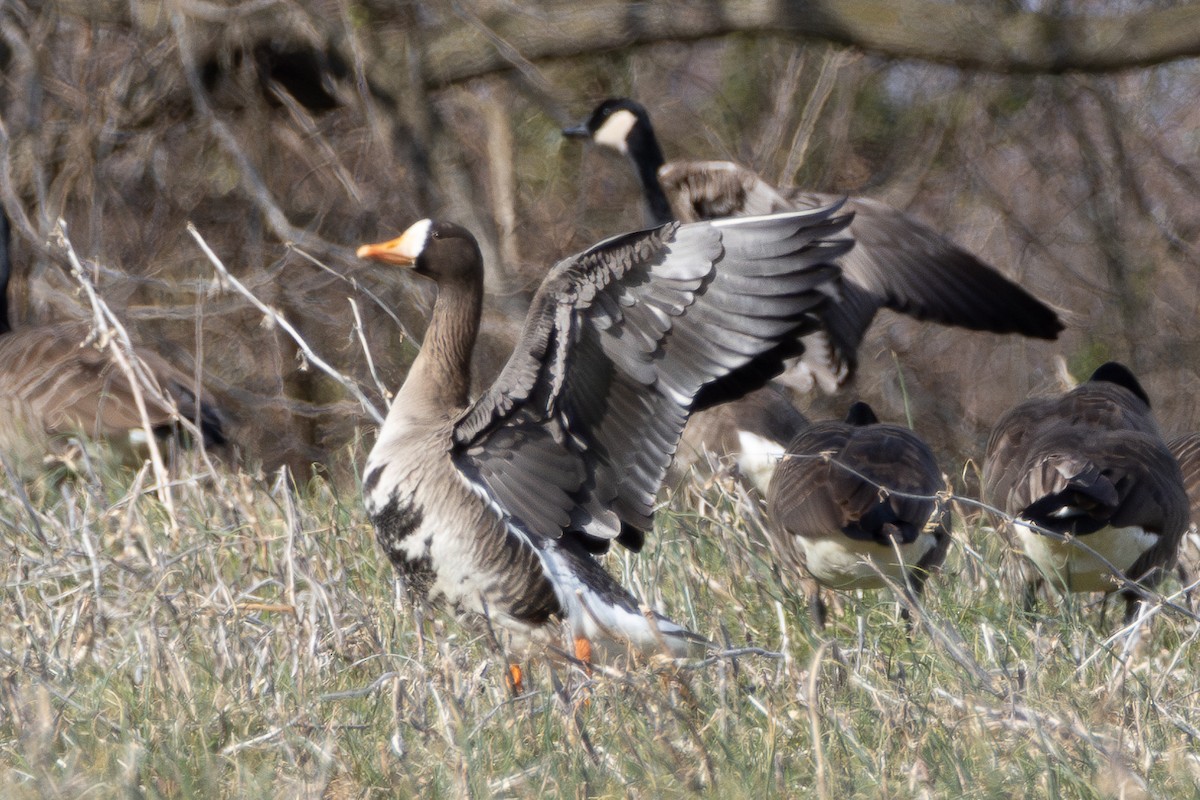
x: 903, y: 264
x: 577, y: 432
x: 897, y: 263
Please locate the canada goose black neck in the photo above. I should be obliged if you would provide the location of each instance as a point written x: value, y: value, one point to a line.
x: 5, y: 272
x: 1115, y: 372
x: 624, y: 125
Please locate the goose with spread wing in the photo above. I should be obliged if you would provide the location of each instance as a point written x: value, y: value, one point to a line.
x: 897, y: 262
x: 852, y: 501
x: 54, y: 383
x: 1091, y: 468
x: 497, y: 506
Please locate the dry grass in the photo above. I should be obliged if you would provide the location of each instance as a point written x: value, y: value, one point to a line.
x: 260, y: 651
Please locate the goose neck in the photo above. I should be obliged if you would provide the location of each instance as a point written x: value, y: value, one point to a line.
x: 439, y: 380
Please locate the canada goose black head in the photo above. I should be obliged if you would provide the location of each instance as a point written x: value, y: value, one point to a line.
x: 623, y: 125
x: 620, y: 124
x: 1114, y: 372
x: 442, y: 251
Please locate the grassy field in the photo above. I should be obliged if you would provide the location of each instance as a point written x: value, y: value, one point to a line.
x: 247, y: 641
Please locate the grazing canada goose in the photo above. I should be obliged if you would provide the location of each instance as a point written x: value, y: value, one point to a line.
x: 55, y: 383
x: 1092, y: 466
x: 851, y: 500
x: 897, y: 262
x: 496, y: 505
x: 755, y: 430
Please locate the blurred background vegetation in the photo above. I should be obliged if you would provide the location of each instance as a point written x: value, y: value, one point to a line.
x: 291, y: 131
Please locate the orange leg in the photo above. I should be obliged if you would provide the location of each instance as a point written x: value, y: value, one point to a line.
x: 514, y: 680
x: 583, y: 652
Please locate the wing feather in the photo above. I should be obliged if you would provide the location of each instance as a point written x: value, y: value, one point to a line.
x: 577, y: 432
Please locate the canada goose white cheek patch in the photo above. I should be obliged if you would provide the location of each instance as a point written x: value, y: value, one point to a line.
x: 615, y: 131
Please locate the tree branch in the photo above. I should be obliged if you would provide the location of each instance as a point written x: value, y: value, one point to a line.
x: 974, y: 36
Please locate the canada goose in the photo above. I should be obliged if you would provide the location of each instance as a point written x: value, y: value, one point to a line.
x: 897, y: 263
x: 496, y: 505
x: 1092, y: 466
x: 54, y: 383
x: 851, y: 500
x: 755, y: 430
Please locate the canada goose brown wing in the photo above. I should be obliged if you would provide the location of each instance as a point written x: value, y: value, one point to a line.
x: 1111, y: 399
x: 800, y: 497
x: 1123, y: 477
x: 898, y: 262
x: 896, y: 459
x: 1080, y: 479
x: 908, y: 267
x: 700, y: 190
x: 1186, y: 450
x: 1008, y: 446
x: 618, y: 342
x: 842, y: 492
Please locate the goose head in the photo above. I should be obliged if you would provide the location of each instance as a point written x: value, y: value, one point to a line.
x: 441, y: 251
x: 615, y: 123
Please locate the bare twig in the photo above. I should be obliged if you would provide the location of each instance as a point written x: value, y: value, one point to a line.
x: 287, y: 327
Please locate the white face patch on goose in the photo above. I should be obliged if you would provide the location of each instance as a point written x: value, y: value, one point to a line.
x: 412, y: 242
x: 615, y: 130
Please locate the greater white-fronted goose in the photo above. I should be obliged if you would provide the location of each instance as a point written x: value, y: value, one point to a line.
x: 55, y: 383
x: 856, y: 499
x: 1090, y: 465
x: 497, y: 505
x: 753, y: 432
x: 897, y: 263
